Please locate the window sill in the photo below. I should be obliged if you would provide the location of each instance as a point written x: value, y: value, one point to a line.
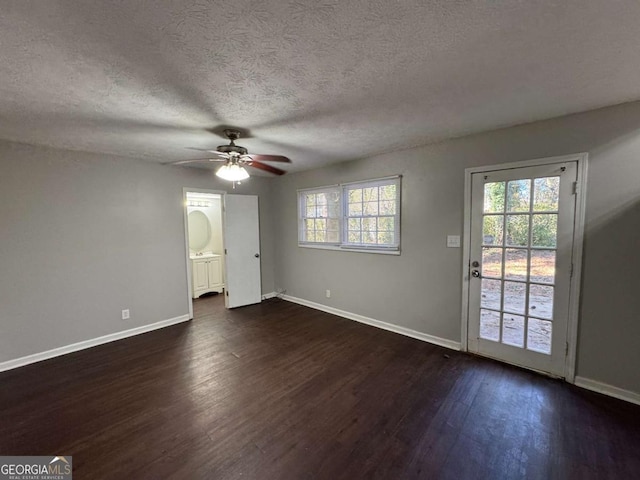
x: 349, y: 249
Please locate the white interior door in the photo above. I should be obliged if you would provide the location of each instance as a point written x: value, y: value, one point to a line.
x: 242, y: 247
x: 522, y: 233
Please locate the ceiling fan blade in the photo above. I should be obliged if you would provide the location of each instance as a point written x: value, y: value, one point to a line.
x: 265, y: 167
x: 269, y: 158
x: 203, y: 149
x: 196, y: 160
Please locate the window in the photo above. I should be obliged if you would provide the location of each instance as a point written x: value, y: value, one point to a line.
x: 319, y: 216
x: 359, y: 215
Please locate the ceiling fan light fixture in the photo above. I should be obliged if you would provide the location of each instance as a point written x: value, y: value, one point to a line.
x: 232, y: 173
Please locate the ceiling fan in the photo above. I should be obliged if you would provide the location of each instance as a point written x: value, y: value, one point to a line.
x: 235, y: 158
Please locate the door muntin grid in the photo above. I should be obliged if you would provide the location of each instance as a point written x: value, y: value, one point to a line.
x: 519, y: 245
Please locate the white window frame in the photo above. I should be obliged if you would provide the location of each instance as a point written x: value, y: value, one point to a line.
x: 343, y: 244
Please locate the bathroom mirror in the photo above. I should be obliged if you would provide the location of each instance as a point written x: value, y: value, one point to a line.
x: 199, y: 230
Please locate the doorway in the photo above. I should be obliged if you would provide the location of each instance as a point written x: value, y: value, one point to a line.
x: 523, y: 243
x: 222, y: 242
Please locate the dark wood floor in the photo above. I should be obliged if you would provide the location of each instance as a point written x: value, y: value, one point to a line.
x: 280, y: 391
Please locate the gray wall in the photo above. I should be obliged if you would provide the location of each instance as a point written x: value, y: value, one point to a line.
x: 84, y: 236
x: 421, y: 289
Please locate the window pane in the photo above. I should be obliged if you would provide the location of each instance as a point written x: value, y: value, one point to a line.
x: 494, y: 197
x: 310, y: 236
x: 489, y: 325
x: 543, y: 266
x: 321, y: 224
x: 539, y: 335
x: 514, y: 296
x: 369, y: 237
x: 518, y: 195
x: 370, y: 208
x: 333, y: 236
x: 546, y: 192
x: 370, y: 194
x: 513, y: 330
x: 311, y: 212
x: 387, y: 207
x: 515, y: 267
x: 491, y: 262
x: 541, y: 301
x: 355, y: 209
x: 355, y: 196
x: 369, y: 224
x: 355, y: 236
x: 386, y: 223
x: 309, y: 224
x: 385, y: 238
x: 491, y: 291
x: 518, y: 230
x: 492, y: 229
x: 355, y: 223
x: 545, y: 230
x: 309, y: 200
x: 388, y: 192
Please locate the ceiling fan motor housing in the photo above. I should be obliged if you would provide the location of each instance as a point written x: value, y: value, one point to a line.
x: 232, y: 147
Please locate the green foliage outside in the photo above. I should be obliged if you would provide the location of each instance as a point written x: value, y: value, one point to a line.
x: 514, y: 199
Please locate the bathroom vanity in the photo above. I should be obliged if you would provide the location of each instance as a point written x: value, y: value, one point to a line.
x: 206, y: 271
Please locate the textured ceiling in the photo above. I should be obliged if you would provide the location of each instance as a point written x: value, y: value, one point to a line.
x: 316, y: 80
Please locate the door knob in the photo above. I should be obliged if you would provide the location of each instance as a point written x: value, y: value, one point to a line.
x: 257, y: 255
x: 475, y: 273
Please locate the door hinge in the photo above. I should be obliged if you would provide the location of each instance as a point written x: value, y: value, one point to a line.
x: 571, y: 272
x: 225, y: 251
x: 226, y: 292
x: 575, y: 188
x: 566, y: 349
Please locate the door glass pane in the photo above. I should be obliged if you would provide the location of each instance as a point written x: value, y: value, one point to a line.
x: 516, y: 264
x: 546, y: 193
x: 494, y: 197
x: 514, y: 296
x: 490, y: 325
x: 518, y: 195
x: 490, y: 294
x: 492, y: 229
x: 518, y: 230
x: 513, y: 330
x: 539, y: 335
x: 545, y: 230
x: 541, y: 301
x: 543, y: 266
x: 491, y: 262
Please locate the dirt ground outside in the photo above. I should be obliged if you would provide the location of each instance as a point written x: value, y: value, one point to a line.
x: 539, y: 329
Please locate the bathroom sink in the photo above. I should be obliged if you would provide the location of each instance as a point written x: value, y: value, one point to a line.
x: 204, y: 255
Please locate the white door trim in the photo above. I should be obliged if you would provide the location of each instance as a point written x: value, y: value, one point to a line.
x: 186, y: 190
x: 576, y: 253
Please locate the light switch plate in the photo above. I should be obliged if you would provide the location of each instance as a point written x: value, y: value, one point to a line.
x: 453, y: 241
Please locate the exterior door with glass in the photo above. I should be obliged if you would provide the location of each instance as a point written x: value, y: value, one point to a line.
x: 522, y: 234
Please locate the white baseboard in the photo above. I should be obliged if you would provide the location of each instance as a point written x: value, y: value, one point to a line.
x: 267, y: 296
x: 607, y: 389
x: 443, y: 342
x: 74, y: 347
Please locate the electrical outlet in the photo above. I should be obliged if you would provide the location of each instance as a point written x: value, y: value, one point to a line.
x: 125, y: 314
x: 328, y: 293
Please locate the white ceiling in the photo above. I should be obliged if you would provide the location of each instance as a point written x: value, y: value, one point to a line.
x: 316, y: 80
